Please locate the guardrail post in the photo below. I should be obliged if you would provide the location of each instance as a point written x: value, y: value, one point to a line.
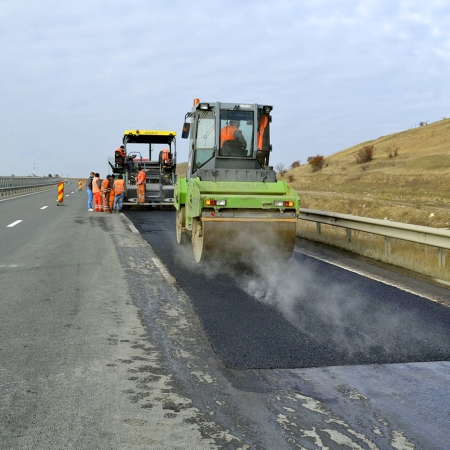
x: 349, y: 234
x: 441, y: 255
x: 319, y: 227
x: 387, y: 245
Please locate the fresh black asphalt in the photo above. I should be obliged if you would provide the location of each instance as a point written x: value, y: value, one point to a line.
x: 310, y: 314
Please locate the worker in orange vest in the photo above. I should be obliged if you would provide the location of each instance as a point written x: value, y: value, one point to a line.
x: 119, y: 193
x: 232, y: 140
x: 96, y: 190
x: 106, y: 189
x: 120, y: 156
x: 111, y: 192
x: 140, y: 183
x: 121, y: 151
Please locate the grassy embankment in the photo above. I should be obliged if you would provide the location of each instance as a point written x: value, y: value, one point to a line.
x: 412, y: 187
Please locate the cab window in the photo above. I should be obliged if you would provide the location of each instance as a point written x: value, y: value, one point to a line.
x: 236, y: 133
x: 204, y: 139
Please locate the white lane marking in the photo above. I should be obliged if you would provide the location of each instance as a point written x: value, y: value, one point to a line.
x: 14, y: 223
x: 162, y: 268
x: 376, y: 278
x: 44, y: 207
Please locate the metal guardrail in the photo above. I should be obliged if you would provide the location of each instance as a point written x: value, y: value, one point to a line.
x: 436, y: 237
x: 12, y: 186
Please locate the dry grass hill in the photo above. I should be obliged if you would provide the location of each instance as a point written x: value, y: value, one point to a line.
x: 408, y: 179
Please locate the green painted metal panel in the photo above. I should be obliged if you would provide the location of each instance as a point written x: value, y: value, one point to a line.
x: 238, y: 195
x: 237, y: 187
x: 180, y: 193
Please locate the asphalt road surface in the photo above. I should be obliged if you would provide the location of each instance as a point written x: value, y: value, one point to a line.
x: 112, y: 338
x: 307, y: 314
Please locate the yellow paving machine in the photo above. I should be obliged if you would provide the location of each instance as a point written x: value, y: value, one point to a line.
x: 159, y: 166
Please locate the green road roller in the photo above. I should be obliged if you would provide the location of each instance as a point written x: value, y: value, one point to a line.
x: 231, y: 204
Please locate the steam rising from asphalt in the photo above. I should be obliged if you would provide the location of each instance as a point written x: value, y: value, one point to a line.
x: 327, y: 310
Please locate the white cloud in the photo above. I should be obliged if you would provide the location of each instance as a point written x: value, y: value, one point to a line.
x: 336, y: 73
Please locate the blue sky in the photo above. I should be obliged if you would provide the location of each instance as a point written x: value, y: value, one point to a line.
x: 75, y: 75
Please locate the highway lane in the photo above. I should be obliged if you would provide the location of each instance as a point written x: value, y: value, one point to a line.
x: 104, y: 345
x: 27, y: 209
x: 70, y: 336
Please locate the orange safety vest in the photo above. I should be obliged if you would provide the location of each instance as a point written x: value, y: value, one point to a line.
x: 119, y: 187
x: 141, y: 178
x: 165, y: 154
x: 95, y: 188
x: 263, y: 121
x: 227, y: 134
x: 106, y: 185
x: 121, y: 151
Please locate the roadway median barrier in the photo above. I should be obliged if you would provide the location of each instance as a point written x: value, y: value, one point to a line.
x: 13, y: 186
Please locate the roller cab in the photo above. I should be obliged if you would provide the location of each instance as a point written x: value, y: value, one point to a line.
x: 230, y: 205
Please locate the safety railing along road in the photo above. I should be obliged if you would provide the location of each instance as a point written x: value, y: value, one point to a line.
x: 13, y: 186
x: 435, y: 237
